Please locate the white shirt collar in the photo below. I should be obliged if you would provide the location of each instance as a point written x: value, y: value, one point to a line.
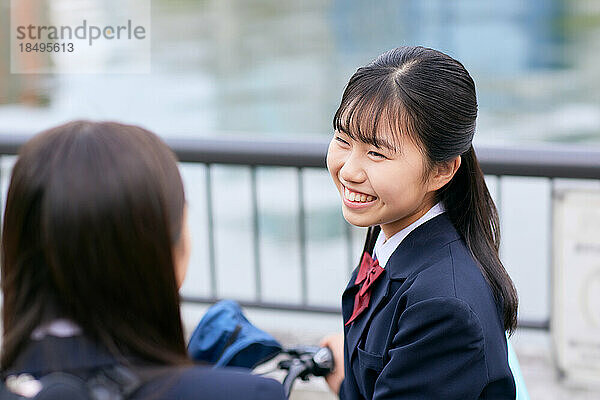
x: 61, y: 327
x: 385, y: 248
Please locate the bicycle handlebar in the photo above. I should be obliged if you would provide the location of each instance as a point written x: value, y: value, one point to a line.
x: 303, y: 362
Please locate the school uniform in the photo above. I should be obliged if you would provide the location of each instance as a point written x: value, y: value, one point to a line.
x: 79, y: 356
x: 432, y: 329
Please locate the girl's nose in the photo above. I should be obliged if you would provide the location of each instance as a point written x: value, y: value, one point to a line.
x: 352, y: 170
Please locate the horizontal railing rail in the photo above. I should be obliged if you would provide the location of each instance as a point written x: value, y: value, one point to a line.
x: 549, y: 161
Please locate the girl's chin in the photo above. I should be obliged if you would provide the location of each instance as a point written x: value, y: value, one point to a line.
x: 360, y: 221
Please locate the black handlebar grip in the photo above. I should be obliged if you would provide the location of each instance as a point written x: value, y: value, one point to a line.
x: 323, y: 362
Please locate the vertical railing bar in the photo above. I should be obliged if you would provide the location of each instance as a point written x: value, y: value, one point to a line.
x: 550, y: 265
x: 256, y: 234
x: 499, y: 194
x: 499, y: 209
x: 211, y: 233
x: 302, y: 237
x: 1, y: 193
x: 349, y: 245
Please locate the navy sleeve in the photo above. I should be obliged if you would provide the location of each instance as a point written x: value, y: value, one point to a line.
x: 202, y: 382
x: 348, y: 389
x: 268, y: 389
x: 436, y: 353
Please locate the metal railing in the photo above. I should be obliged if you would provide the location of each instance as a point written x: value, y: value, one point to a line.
x: 542, y: 161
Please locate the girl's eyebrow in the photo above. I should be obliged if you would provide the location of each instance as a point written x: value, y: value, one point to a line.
x: 382, y: 143
x: 379, y: 142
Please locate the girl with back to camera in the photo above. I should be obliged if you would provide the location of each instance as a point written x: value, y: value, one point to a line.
x: 94, y: 248
x: 425, y: 313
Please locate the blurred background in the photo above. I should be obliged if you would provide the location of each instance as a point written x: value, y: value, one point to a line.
x: 274, y: 71
x: 274, y: 68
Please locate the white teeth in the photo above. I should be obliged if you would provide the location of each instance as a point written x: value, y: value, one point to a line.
x: 357, y: 197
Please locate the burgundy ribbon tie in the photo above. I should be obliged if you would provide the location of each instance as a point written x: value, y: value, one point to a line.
x: 368, y: 273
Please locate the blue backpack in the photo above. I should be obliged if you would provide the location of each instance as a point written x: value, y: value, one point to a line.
x: 224, y: 337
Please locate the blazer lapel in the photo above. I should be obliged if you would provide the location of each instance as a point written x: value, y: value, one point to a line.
x: 409, y: 257
x: 355, y: 330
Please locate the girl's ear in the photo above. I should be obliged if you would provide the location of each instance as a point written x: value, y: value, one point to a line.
x: 182, y: 251
x: 443, y: 173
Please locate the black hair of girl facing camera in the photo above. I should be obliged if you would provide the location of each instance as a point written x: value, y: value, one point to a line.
x: 93, y: 217
x: 424, y: 98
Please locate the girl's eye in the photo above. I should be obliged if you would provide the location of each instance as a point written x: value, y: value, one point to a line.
x: 340, y: 140
x: 376, y: 154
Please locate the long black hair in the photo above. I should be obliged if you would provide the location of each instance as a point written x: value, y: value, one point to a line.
x: 92, y: 215
x: 430, y: 97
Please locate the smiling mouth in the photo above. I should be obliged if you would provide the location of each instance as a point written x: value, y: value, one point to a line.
x: 357, y: 197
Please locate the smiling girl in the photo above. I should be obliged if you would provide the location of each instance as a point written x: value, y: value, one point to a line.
x: 425, y: 313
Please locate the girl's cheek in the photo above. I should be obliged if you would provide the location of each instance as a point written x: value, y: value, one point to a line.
x: 333, y: 160
x: 330, y: 164
x: 329, y: 158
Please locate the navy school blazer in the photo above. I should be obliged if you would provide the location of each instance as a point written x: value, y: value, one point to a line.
x: 432, y: 330
x: 78, y: 354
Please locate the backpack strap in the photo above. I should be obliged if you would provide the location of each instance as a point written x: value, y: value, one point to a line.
x: 61, y: 385
x: 115, y: 383
x: 118, y: 381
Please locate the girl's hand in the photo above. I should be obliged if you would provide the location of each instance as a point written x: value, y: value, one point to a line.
x: 335, y: 342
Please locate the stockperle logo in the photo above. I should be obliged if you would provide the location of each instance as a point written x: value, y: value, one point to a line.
x: 63, y: 38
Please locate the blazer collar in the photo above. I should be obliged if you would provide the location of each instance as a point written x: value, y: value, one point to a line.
x: 414, y: 251
x: 41, y: 357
